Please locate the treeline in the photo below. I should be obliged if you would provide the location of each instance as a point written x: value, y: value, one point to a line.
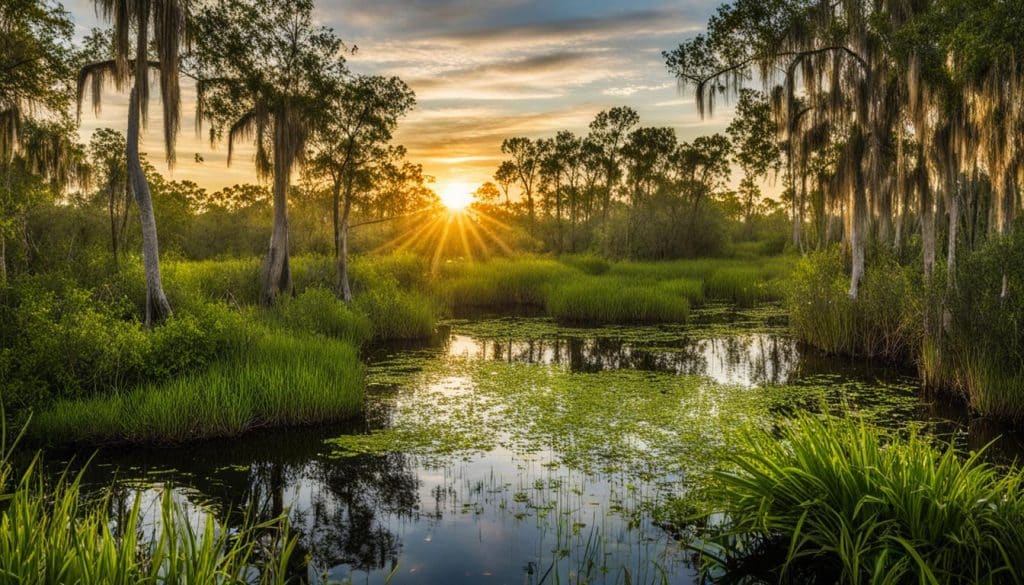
x: 264, y: 73
x: 631, y: 191
x: 900, y: 125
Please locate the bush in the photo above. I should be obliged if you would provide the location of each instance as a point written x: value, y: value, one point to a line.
x: 853, y: 504
x: 66, y: 343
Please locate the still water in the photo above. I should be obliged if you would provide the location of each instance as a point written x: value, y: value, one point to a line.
x: 512, y: 450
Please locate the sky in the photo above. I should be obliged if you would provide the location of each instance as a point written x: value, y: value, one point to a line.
x: 482, y: 70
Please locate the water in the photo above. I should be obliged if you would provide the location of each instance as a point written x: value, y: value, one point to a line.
x: 515, y: 451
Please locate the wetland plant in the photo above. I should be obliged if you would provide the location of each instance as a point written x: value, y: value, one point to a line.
x: 842, y: 498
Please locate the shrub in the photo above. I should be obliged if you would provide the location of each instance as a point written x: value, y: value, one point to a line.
x: 64, y: 342
x: 855, y: 504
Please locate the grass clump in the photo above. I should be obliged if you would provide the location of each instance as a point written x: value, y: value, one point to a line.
x: 849, y: 503
x: 501, y: 282
x: 587, y: 263
x: 602, y: 301
x: 55, y: 535
x: 276, y: 380
x: 318, y: 310
x: 883, y: 322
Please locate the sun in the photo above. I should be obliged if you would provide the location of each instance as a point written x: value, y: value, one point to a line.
x: 456, y: 196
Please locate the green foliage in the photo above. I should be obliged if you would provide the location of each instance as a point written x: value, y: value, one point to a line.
x: 57, y: 535
x: 883, y: 322
x: 856, y: 504
x: 275, y: 379
x: 318, y: 310
x: 600, y: 301
x: 60, y: 342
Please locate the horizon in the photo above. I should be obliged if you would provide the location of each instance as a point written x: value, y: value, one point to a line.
x: 512, y: 68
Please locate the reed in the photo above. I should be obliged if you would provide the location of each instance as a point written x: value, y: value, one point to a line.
x: 854, y: 504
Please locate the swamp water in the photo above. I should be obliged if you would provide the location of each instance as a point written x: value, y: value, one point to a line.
x: 512, y: 450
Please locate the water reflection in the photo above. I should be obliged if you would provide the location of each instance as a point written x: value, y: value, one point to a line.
x: 500, y: 517
x: 748, y: 360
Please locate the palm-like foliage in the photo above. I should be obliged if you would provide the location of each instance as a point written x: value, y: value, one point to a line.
x: 163, y: 26
x: 264, y: 72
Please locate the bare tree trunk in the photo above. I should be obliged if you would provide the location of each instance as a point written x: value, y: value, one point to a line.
x: 857, y: 213
x: 342, y: 243
x: 3, y: 260
x: 927, y: 224
x: 277, y: 274
x: 157, y: 306
x: 954, y: 224
x: 113, y: 226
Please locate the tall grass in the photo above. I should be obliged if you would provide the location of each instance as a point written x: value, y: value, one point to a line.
x: 596, y: 300
x: 277, y: 380
x: 853, y: 504
x: 53, y: 535
x: 884, y: 321
x: 500, y: 282
x: 539, y: 282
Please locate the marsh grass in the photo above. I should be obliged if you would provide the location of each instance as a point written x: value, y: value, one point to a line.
x: 582, y: 289
x: 843, y: 498
x: 884, y: 322
x: 54, y: 534
x: 501, y: 282
x: 601, y: 301
x: 277, y: 379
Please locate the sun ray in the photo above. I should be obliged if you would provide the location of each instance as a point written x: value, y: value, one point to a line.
x: 460, y: 225
x: 473, y: 231
x: 439, y: 249
x: 404, y: 235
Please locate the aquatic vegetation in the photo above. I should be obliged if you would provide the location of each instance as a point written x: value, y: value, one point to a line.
x: 644, y: 424
x: 56, y: 534
x: 276, y: 380
x: 848, y: 500
x: 600, y: 301
x: 883, y: 322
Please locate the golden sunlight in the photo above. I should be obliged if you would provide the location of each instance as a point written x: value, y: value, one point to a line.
x: 456, y: 196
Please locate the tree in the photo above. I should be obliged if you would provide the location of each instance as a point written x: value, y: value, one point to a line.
x: 752, y: 132
x: 609, y: 132
x: 46, y: 161
x: 357, y: 126
x: 36, y: 60
x: 505, y: 177
x: 162, y: 26
x: 487, y: 192
x: 527, y: 163
x: 107, y: 153
x: 264, y: 73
